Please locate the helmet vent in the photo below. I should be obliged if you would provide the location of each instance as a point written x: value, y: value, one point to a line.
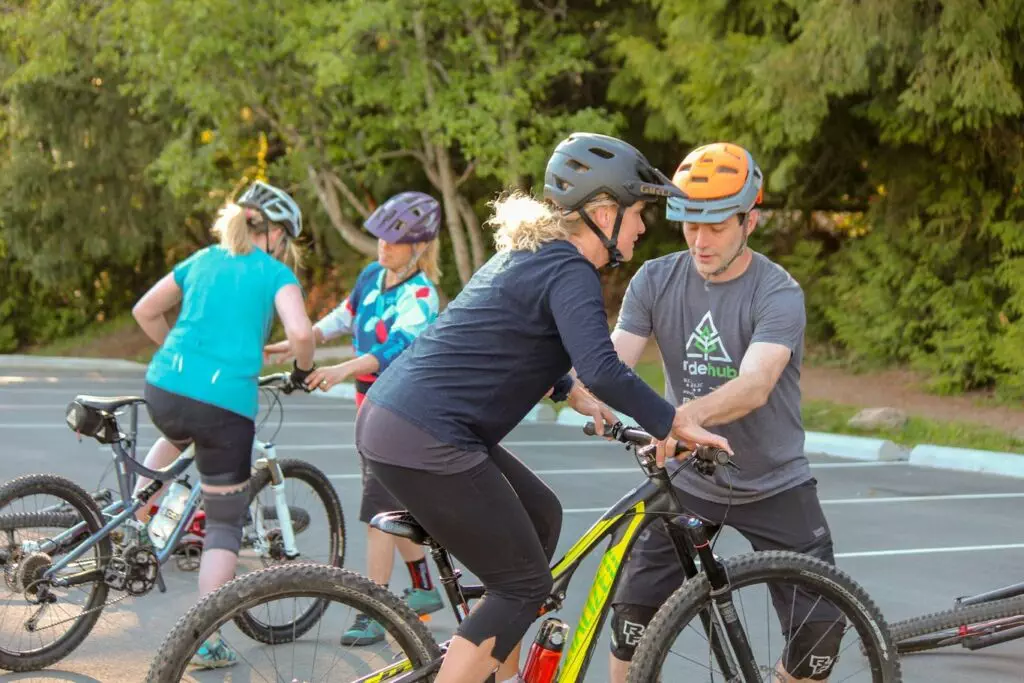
x: 577, y: 166
x: 603, y: 153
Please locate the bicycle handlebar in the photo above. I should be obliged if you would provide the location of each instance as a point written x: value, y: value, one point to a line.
x: 711, y: 455
x: 279, y: 380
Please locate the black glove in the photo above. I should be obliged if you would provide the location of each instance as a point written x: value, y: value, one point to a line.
x: 299, y: 376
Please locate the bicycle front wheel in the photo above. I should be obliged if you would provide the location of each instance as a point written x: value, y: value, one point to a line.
x: 933, y: 631
x: 678, y: 633
x: 317, y: 655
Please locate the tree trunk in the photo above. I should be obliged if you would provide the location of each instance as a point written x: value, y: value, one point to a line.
x: 328, y: 195
x: 472, y: 224
x: 437, y: 155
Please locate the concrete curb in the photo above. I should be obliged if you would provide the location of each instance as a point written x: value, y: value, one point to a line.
x: 968, y: 460
x: 27, y: 362
x: 854, y: 447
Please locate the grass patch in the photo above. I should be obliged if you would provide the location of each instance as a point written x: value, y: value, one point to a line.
x: 95, y: 332
x: 825, y: 416
x: 119, y: 337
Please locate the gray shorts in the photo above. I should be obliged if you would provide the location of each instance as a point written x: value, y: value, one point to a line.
x: 790, y: 520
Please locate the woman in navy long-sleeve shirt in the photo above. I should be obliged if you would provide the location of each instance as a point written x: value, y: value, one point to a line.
x: 430, y: 427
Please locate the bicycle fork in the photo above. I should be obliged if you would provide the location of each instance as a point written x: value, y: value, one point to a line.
x: 270, y: 462
x: 693, y: 538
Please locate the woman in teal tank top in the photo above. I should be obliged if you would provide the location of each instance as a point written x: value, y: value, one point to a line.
x: 202, y: 384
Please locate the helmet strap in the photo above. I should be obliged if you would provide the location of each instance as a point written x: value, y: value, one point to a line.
x: 739, y: 252
x: 610, y: 243
x: 414, y: 261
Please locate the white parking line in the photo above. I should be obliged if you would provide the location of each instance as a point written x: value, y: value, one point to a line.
x: 60, y: 407
x: 99, y: 389
x: 848, y: 501
x: 931, y: 551
x: 272, y: 422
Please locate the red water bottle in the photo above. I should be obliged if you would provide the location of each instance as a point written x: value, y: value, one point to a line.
x: 546, y: 652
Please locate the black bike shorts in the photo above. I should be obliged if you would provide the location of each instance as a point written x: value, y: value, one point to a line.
x: 223, y: 439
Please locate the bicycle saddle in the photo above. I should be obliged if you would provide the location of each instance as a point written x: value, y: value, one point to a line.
x: 108, y: 404
x: 402, y: 524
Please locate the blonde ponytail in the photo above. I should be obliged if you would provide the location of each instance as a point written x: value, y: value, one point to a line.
x: 524, y: 223
x: 232, y: 229
x: 235, y: 235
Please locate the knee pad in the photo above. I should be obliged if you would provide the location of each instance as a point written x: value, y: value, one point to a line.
x: 628, y: 625
x: 225, y: 515
x: 811, y: 653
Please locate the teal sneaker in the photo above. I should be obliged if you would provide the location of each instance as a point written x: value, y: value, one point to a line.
x: 422, y: 601
x: 364, y: 631
x: 214, y: 653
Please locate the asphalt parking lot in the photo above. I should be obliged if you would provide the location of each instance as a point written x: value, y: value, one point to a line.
x: 915, y: 538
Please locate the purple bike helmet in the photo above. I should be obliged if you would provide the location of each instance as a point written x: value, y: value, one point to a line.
x: 406, y: 218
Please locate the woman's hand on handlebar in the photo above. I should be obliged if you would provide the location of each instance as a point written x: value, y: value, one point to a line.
x: 585, y: 403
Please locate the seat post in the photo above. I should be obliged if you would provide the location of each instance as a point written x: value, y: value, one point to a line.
x: 133, y: 430
x: 449, y: 577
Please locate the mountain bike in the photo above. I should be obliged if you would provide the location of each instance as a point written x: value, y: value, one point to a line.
x: 53, y: 553
x: 705, y: 599
x: 975, y: 622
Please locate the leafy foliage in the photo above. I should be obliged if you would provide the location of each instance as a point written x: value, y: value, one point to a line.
x: 889, y: 133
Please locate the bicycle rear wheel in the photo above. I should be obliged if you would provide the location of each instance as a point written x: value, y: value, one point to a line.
x: 41, y: 624
x: 258, y: 592
x: 753, y: 573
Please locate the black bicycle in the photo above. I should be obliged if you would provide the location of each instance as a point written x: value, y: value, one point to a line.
x: 975, y: 622
x: 707, y: 610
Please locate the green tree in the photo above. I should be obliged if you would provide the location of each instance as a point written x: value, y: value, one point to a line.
x: 909, y: 112
x: 357, y: 91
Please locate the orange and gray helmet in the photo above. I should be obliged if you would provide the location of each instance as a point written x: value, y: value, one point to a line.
x: 719, y: 180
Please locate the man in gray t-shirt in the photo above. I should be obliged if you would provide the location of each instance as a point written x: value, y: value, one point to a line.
x: 729, y: 324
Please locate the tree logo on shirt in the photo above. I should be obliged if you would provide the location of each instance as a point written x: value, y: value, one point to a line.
x: 705, y: 343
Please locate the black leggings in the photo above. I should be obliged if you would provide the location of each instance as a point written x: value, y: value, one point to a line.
x: 502, y: 523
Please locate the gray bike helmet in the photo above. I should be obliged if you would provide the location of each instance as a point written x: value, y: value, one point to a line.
x: 275, y: 204
x: 586, y: 164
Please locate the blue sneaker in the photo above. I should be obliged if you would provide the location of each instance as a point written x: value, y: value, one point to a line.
x: 422, y: 601
x: 214, y: 653
x: 364, y: 631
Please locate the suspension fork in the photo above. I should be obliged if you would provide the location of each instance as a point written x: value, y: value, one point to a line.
x: 695, y: 536
x: 270, y: 462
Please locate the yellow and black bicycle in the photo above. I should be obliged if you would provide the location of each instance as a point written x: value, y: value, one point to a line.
x: 703, y: 632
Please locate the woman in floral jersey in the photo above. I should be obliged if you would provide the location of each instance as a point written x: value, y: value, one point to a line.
x: 392, y: 301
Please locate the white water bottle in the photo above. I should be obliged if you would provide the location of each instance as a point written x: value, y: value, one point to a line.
x: 172, y: 507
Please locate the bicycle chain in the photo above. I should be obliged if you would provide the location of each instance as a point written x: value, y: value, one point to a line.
x: 79, y: 615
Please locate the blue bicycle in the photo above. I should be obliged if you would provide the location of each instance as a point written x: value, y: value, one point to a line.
x: 61, y: 555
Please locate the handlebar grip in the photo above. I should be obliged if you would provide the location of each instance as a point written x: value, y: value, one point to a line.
x: 713, y: 454
x: 589, y: 429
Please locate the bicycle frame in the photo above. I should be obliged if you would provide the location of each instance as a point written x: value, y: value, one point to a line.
x: 623, y: 523
x: 1011, y: 591
x: 119, y: 511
